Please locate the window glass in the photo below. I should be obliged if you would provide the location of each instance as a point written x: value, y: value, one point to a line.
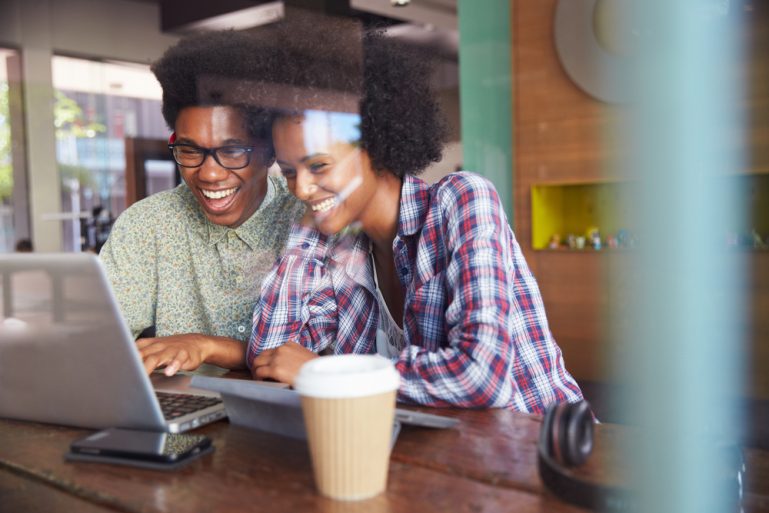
x: 161, y: 175
x: 98, y: 105
x: 14, y: 225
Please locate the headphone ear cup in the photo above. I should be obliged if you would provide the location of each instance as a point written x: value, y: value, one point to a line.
x: 546, y: 431
x: 572, y: 424
x: 558, y: 429
x: 578, y: 433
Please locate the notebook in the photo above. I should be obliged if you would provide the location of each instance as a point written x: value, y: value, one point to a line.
x: 67, y: 356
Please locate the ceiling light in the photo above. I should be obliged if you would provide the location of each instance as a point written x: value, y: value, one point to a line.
x: 247, y: 18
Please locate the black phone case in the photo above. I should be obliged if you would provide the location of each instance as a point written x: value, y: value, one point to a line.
x: 135, y: 462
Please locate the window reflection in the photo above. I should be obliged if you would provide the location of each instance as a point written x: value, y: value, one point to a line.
x: 14, y: 219
x: 97, y: 106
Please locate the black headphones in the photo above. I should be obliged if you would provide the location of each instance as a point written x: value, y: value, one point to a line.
x: 566, y: 440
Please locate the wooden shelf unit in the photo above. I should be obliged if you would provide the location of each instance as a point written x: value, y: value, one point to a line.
x: 575, y: 209
x: 565, y: 209
x: 566, y: 143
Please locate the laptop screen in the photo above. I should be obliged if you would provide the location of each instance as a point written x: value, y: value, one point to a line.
x: 66, y: 356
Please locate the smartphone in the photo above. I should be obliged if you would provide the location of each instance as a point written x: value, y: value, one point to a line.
x: 139, y: 448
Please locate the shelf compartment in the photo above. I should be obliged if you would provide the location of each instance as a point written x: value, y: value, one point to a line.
x: 565, y: 209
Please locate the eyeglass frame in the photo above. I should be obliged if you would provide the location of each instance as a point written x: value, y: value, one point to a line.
x: 212, y: 152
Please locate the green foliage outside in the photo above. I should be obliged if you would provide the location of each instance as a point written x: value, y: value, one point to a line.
x: 68, y: 122
x: 68, y: 119
x: 79, y: 173
x: 6, y: 171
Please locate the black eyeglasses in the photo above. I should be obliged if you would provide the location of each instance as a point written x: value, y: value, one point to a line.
x: 229, y: 157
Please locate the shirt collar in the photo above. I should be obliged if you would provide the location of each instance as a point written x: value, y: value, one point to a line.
x: 215, y: 233
x: 413, y: 206
x: 353, y: 248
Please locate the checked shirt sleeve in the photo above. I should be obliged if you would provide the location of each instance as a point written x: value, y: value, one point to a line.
x: 297, y: 299
x: 474, y: 368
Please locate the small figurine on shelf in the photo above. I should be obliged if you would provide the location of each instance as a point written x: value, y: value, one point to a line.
x: 611, y: 242
x: 555, y: 241
x: 571, y: 240
x: 594, y: 237
x: 624, y: 238
x: 580, y: 242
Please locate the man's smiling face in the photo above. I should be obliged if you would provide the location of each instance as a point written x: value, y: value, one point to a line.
x: 228, y: 197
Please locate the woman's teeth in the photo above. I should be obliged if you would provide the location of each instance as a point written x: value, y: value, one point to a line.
x: 325, y: 205
x: 218, y: 194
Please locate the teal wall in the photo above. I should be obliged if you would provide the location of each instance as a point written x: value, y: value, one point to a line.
x: 486, y: 107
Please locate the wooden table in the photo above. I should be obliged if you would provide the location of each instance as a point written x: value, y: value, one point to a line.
x: 487, y: 463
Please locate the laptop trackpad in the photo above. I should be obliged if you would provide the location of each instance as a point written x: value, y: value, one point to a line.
x: 178, y: 383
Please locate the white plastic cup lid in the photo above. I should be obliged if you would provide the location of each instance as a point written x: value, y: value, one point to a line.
x: 347, y: 375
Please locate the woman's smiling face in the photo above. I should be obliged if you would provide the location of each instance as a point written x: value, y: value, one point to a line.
x: 228, y: 197
x: 329, y: 174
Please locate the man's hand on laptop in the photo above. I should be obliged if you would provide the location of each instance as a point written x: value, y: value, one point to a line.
x: 281, y: 363
x: 189, y: 351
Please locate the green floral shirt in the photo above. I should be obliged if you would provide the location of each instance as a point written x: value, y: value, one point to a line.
x: 173, y: 269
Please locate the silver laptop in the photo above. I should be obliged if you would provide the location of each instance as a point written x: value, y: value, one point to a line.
x: 67, y: 356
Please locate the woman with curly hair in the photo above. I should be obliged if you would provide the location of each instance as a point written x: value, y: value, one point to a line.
x: 429, y: 276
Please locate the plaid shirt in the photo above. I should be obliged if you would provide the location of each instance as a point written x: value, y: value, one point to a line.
x: 474, y: 323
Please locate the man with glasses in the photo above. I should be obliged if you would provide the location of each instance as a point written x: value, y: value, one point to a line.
x: 189, y: 262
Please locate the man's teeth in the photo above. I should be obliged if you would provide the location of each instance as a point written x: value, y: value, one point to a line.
x: 325, y: 205
x: 218, y: 194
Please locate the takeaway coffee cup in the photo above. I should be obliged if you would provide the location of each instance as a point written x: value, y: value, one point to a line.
x: 348, y: 402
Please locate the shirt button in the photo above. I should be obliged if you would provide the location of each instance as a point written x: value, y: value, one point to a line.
x: 305, y: 245
x: 241, y: 329
x: 404, y: 271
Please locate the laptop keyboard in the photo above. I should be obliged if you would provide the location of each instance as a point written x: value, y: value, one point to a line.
x: 176, y: 405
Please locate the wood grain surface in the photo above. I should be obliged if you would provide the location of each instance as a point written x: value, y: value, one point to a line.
x: 254, y: 471
x: 487, y: 463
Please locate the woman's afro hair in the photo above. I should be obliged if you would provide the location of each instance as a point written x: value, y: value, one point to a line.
x: 402, y: 127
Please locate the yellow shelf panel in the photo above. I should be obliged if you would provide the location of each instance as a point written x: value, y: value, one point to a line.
x: 576, y: 208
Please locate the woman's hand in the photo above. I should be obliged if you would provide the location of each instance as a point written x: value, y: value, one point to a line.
x: 189, y: 351
x: 282, y: 363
